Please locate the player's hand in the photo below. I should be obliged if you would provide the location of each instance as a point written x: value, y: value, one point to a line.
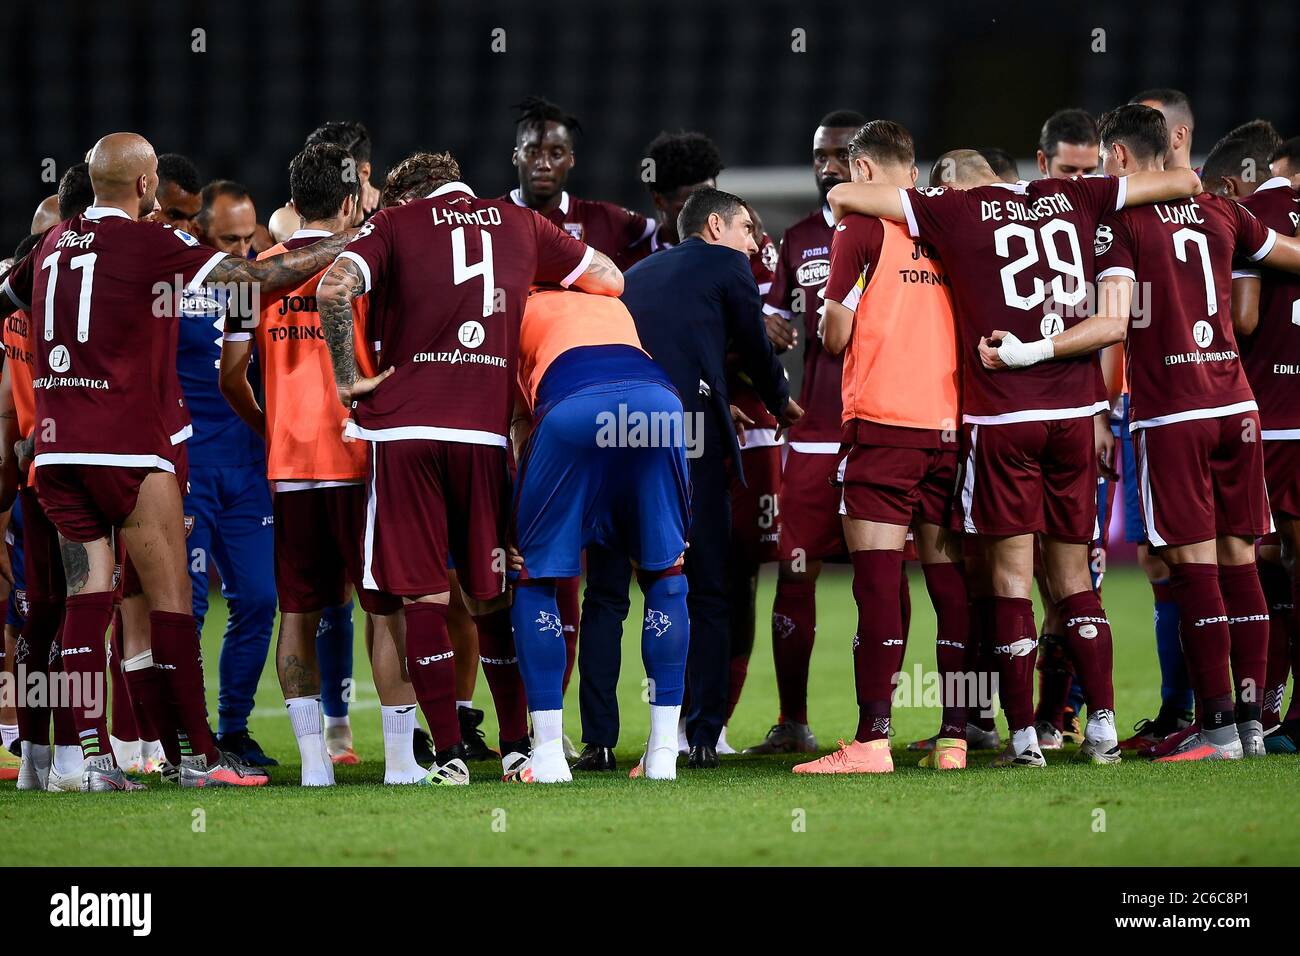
x: 989, y: 346
x: 369, y: 198
x: 789, y: 415
x: 781, y: 332
x: 363, y: 386
x: 741, y: 421
x: 514, y: 559
x: 1104, y: 440
x: 24, y: 449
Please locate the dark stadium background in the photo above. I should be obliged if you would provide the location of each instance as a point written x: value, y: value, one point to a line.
x: 423, y: 75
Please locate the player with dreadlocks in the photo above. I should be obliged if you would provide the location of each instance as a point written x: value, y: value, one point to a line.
x: 544, y: 157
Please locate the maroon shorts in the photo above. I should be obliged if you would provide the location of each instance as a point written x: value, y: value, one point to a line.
x: 1202, y: 478
x: 87, y: 502
x: 1026, y: 477
x: 810, y: 507
x: 756, y: 507
x: 318, y: 536
x: 429, y: 499
x: 899, y: 485
x: 42, y: 559
x: 1282, y: 472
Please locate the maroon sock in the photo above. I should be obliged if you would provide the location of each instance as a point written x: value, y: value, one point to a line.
x: 794, y: 624
x: 174, y: 641
x: 905, y: 602
x: 1088, y: 640
x: 1293, y: 711
x: 1054, y: 680
x: 947, y: 588
x: 1248, y: 621
x: 123, y: 723
x: 878, y: 645
x: 496, y: 648
x: 149, y: 695
x: 1015, y: 649
x: 1281, y: 625
x: 432, y: 666
x: 85, y: 622
x: 32, y: 657
x: 981, y: 661
x: 1206, y: 640
x: 738, y: 670
x: 569, y: 599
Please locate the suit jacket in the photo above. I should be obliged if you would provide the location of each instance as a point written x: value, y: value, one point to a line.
x: 692, y: 304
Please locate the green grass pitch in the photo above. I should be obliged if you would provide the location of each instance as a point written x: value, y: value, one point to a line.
x: 751, y: 811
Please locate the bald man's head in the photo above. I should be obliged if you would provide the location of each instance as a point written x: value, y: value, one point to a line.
x: 46, y: 215
x: 962, y: 169
x: 124, y: 172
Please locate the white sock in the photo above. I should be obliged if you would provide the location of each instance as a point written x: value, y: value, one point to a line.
x: 305, y: 717
x: 548, y: 725
x: 127, y: 752
x: 547, y: 762
x: 663, y: 726
x: 399, y: 755
x: 68, y: 759
x: 37, y: 755
x: 1101, y: 727
x: 336, y: 721
x: 467, y: 704
x: 8, y: 734
x: 1024, y: 739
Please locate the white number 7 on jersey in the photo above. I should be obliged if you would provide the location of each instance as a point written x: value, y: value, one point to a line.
x: 461, y: 271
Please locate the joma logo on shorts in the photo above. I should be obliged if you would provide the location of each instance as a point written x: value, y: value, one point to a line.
x: 1019, y: 648
x: 1221, y: 619
x: 434, y: 658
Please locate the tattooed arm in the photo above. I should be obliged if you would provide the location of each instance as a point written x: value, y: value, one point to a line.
x: 334, y: 294
x: 601, y: 277
x: 286, y: 271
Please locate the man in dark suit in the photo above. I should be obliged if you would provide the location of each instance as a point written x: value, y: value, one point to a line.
x: 692, y: 305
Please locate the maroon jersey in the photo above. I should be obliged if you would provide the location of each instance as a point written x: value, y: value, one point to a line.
x: 797, y: 294
x: 103, y: 289
x: 448, y: 276
x: 646, y: 246
x: 604, y: 226
x: 1271, y: 355
x: 1181, y: 350
x: 742, y: 393
x: 1019, y: 258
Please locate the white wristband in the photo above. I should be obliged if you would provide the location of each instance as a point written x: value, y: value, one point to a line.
x: 1017, y: 354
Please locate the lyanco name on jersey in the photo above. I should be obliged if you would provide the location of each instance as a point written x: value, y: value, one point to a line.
x: 458, y: 357
x: 1010, y: 210
x: 491, y: 216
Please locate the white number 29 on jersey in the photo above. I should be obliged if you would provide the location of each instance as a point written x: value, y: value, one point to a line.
x: 1047, y: 237
x: 462, y: 271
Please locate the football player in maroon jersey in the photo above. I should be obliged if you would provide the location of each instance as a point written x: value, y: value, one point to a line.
x: 1174, y: 715
x: 447, y: 276
x: 1195, y: 421
x: 1067, y: 145
x: 1016, y: 251
x: 99, y: 364
x: 810, y: 520
x: 544, y: 157
x: 1263, y: 315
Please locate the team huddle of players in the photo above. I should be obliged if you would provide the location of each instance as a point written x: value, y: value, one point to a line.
x: 986, y: 361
